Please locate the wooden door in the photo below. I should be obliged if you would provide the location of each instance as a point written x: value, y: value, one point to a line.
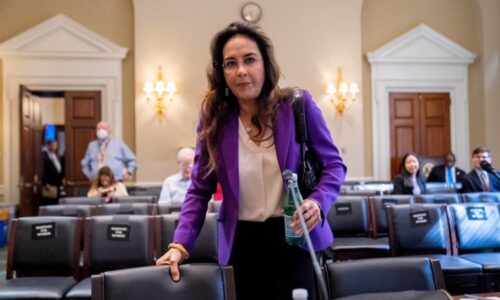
x: 420, y: 123
x: 83, y: 112
x: 30, y: 153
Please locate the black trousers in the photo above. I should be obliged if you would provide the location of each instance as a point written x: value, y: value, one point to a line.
x: 265, y: 266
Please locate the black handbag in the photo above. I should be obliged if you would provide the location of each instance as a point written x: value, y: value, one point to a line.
x: 310, y: 167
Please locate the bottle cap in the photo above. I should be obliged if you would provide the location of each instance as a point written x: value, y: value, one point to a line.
x: 299, y: 294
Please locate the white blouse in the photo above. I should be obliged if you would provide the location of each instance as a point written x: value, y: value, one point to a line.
x: 261, y: 185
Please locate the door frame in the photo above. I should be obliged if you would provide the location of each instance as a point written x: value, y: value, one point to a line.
x: 420, y: 60
x: 41, y: 58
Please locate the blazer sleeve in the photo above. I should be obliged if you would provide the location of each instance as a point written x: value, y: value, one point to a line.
x: 194, y: 208
x: 320, y: 142
x: 433, y: 176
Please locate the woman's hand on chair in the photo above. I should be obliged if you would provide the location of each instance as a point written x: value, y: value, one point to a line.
x: 173, y: 258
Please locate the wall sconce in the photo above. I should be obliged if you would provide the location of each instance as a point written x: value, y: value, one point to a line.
x: 342, y: 94
x: 159, y: 89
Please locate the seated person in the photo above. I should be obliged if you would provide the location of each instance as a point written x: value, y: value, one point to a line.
x: 106, y: 186
x: 446, y: 172
x: 410, y: 180
x: 175, y: 186
x: 478, y: 180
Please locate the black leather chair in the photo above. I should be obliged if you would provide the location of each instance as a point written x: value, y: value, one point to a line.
x: 136, y: 199
x: 42, y: 261
x: 378, y: 216
x: 145, y: 191
x: 423, y: 229
x: 438, y: 198
x: 380, y: 278
x: 69, y: 210
x: 197, y: 281
x: 205, y: 246
x: 114, y: 242
x: 442, y: 187
x: 126, y: 209
x: 82, y: 200
x: 168, y: 208
x: 349, y: 220
x: 477, y: 227
x: 481, y: 197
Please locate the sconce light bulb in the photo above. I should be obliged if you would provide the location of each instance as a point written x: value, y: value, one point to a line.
x: 354, y: 89
x: 148, y: 87
x: 330, y: 89
x: 343, y: 88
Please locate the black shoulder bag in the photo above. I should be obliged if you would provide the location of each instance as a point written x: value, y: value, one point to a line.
x: 310, y: 167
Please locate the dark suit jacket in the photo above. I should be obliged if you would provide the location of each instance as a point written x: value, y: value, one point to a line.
x: 438, y: 174
x: 227, y: 174
x: 471, y: 183
x: 50, y: 175
x: 402, y: 185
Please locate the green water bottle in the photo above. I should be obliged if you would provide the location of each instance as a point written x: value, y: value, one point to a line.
x: 292, y: 194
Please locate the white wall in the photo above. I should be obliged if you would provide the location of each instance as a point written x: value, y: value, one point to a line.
x: 311, y: 38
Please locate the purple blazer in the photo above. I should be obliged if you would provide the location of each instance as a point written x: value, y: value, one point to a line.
x: 200, y: 192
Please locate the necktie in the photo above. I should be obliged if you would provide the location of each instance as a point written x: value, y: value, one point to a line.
x: 484, y: 181
x: 102, y: 153
x: 449, y: 175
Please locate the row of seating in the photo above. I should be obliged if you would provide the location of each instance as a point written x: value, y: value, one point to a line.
x: 88, y: 209
x: 373, y: 227
x: 66, y: 250
x: 373, y: 188
x: 382, y: 279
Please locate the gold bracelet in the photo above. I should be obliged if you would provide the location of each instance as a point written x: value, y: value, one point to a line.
x: 179, y: 247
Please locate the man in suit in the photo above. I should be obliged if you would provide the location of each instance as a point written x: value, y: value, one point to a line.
x: 53, y: 173
x: 446, y: 172
x: 479, y: 180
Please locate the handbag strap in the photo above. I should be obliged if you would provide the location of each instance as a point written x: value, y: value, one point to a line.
x: 300, y: 121
x: 300, y: 116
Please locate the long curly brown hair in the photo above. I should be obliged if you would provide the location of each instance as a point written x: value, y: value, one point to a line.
x: 216, y: 104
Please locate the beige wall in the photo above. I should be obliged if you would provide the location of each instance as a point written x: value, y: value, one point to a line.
x: 490, y: 10
x: 459, y: 20
x: 112, y: 19
x: 311, y: 38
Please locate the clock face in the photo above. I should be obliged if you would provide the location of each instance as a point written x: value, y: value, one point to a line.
x: 251, y: 12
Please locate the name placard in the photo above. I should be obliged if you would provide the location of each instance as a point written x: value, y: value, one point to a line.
x: 43, y: 231
x: 343, y: 209
x: 476, y: 213
x: 118, y: 232
x: 419, y: 218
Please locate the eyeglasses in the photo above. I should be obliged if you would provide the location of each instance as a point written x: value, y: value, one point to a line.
x: 231, y: 65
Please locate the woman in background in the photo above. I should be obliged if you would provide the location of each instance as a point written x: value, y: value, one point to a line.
x: 106, y: 186
x: 410, y: 180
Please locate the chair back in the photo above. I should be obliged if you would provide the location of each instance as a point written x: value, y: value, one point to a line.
x: 198, y: 281
x: 349, y: 216
x: 418, y: 229
x: 136, y: 199
x: 382, y: 275
x: 82, y: 200
x: 168, y: 208
x: 378, y: 206
x: 205, y: 246
x: 476, y: 225
x: 481, y: 197
x: 439, y: 198
x: 126, y: 209
x: 68, y: 210
x: 42, y: 246
x: 117, y: 242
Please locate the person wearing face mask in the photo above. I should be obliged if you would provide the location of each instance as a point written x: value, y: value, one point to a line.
x: 410, y: 180
x: 175, y: 186
x: 446, y: 172
x: 108, y: 151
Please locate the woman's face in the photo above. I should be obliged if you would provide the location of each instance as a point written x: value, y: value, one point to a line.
x: 243, y: 68
x: 411, y: 164
x: 105, y: 180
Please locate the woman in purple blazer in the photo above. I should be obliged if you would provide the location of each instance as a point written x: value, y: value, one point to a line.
x: 246, y: 138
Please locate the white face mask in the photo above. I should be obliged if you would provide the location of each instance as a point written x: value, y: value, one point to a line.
x: 102, y: 134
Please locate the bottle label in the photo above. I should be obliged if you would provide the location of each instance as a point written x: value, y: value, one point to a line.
x: 289, y: 232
